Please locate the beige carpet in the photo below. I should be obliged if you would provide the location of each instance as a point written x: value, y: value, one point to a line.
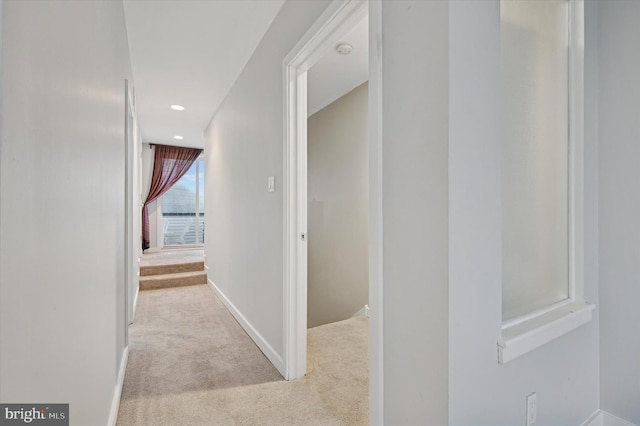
x: 165, y: 257
x: 190, y: 363
x: 338, y: 368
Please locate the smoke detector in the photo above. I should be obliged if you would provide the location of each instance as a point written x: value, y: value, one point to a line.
x: 344, y: 48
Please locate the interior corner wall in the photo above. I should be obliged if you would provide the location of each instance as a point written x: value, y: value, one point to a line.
x: 415, y: 40
x: 338, y: 194
x: 619, y: 154
x: 147, y: 156
x: 147, y: 172
x: 244, y: 146
x: 1, y: 50
x: 563, y: 372
x: 62, y: 306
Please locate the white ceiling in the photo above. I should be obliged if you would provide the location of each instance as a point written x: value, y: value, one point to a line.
x: 189, y: 53
x: 334, y: 75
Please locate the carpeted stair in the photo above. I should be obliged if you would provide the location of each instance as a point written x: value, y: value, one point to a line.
x: 175, y: 275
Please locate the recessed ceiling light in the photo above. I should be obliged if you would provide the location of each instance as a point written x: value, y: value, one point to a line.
x: 177, y: 107
x: 344, y: 48
x: 178, y: 137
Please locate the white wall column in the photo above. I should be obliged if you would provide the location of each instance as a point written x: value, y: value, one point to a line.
x: 619, y: 151
x: 415, y: 110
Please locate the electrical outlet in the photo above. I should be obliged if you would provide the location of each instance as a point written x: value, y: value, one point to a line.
x: 532, y: 406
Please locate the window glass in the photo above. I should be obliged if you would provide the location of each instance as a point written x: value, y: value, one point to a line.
x: 183, y: 209
x: 535, y: 154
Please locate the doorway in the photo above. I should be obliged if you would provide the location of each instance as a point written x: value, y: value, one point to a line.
x: 337, y: 20
x: 337, y: 184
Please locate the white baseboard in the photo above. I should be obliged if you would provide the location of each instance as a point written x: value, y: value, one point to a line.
x: 117, y: 393
x: 602, y: 418
x: 609, y: 419
x: 264, y: 346
x: 594, y: 420
x: 363, y: 312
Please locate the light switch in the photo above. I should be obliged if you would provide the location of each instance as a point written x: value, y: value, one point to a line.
x: 271, y: 184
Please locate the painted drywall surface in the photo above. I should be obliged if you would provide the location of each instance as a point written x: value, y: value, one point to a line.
x: 147, y: 168
x: 415, y: 205
x: 335, y: 74
x: 62, y: 222
x: 338, y: 194
x: 619, y: 150
x: 563, y: 372
x: 147, y: 172
x: 1, y: 115
x: 154, y: 215
x: 244, y: 146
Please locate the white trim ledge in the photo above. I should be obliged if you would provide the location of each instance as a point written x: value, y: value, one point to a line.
x: 525, y: 336
x: 602, y: 418
x: 260, y: 341
x: 117, y: 393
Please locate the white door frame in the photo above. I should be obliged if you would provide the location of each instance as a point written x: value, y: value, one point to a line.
x: 340, y: 17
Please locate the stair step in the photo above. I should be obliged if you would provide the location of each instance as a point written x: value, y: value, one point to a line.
x: 171, y: 269
x: 178, y: 279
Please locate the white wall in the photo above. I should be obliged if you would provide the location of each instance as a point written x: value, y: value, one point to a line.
x: 415, y: 211
x: 147, y: 172
x: 563, y: 372
x: 1, y: 148
x: 147, y: 168
x: 243, y: 146
x: 338, y: 194
x: 619, y: 153
x: 62, y: 204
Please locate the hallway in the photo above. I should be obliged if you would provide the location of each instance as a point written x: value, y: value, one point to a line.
x: 190, y: 363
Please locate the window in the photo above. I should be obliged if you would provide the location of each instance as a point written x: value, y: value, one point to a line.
x: 183, y: 209
x: 542, y: 68
x: 535, y: 65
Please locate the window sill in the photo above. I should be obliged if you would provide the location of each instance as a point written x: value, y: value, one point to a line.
x: 525, y: 336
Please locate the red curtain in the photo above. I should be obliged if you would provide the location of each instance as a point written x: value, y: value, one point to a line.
x: 169, y: 165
